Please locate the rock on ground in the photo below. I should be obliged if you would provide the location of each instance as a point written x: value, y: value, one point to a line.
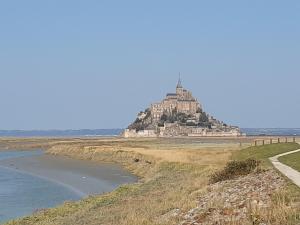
x: 230, y: 201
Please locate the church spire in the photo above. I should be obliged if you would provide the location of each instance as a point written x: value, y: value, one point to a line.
x: 179, y: 85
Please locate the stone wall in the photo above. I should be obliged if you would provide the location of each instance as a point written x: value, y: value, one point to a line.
x: 142, y: 133
x: 175, y: 130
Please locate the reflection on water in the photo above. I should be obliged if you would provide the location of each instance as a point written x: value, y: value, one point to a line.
x: 50, y: 181
x: 21, y: 194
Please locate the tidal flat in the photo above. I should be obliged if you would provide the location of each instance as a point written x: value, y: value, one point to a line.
x: 173, y: 176
x: 32, y: 180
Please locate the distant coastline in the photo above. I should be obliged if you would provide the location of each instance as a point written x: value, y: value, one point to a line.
x: 271, y: 131
x: 118, y: 131
x: 61, y: 133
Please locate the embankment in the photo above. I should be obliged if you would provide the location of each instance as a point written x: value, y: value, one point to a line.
x: 169, y: 189
x: 139, y: 164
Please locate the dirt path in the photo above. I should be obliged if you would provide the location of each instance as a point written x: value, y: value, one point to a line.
x: 289, y: 172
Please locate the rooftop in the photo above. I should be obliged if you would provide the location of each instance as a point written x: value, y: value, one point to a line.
x: 171, y: 94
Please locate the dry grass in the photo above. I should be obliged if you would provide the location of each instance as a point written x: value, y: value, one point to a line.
x: 174, y: 174
x: 173, y: 178
x: 285, y: 208
x: 203, y: 156
x: 281, y: 212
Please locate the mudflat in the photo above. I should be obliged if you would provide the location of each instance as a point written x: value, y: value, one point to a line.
x: 82, y: 177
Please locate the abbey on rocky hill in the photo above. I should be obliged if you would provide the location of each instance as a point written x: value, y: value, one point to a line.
x: 179, y: 114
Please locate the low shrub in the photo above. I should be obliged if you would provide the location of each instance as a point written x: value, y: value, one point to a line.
x: 234, y: 169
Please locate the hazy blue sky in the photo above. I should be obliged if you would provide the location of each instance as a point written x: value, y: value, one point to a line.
x: 69, y: 64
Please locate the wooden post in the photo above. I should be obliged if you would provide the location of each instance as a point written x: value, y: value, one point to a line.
x: 286, y: 140
x: 278, y: 140
x: 294, y: 139
x: 255, y: 142
x: 263, y: 142
x: 271, y: 141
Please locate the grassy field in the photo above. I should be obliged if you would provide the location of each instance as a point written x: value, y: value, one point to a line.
x: 174, y: 174
x: 264, y: 152
x: 292, y: 160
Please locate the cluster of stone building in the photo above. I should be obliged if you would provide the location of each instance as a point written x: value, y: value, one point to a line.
x: 180, y: 102
x: 175, y: 130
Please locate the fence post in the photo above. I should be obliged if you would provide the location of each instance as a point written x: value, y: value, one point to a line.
x: 271, y: 141
x: 286, y: 140
x: 255, y: 142
x: 263, y: 142
x: 294, y: 139
x: 278, y: 140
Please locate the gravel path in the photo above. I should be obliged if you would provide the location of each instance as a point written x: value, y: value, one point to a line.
x: 289, y: 172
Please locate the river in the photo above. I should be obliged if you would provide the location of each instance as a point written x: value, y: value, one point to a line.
x: 32, y: 180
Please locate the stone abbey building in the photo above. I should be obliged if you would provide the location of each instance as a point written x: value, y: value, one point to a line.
x: 179, y: 114
x: 182, y: 101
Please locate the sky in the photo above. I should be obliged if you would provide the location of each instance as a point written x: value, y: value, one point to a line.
x: 70, y: 64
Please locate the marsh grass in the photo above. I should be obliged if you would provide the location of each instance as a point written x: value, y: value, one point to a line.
x: 174, y: 175
x: 281, y: 212
x: 166, y: 185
